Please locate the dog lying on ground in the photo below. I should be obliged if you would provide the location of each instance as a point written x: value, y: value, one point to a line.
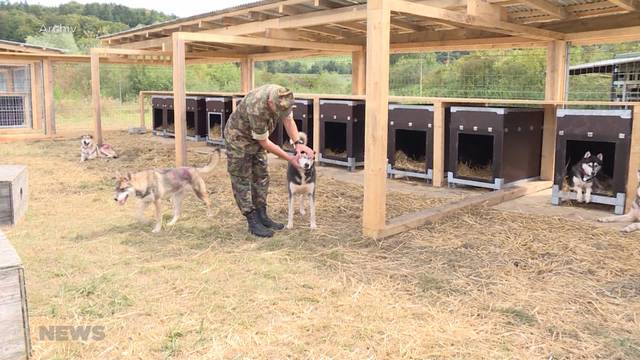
x: 89, y: 150
x: 583, y: 175
x: 633, y: 215
x: 302, y: 182
x: 152, y: 186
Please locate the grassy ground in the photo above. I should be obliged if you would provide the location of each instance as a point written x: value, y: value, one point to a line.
x: 483, y: 284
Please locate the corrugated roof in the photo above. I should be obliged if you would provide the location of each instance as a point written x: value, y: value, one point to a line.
x: 31, y: 46
x: 605, y: 63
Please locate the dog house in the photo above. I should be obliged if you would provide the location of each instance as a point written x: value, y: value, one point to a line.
x: 303, y: 117
x: 196, y: 118
x: 490, y: 146
x: 342, y: 133
x: 605, y: 132
x: 410, y: 141
x: 158, y: 115
x: 218, y: 111
x: 14, y: 193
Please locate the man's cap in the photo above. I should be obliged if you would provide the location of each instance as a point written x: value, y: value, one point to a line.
x: 283, y: 100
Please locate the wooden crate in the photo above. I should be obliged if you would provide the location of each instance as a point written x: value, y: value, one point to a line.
x: 13, y: 193
x: 14, y: 321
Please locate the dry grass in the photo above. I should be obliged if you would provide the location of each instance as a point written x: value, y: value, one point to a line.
x: 482, y: 285
x: 342, y: 153
x: 476, y: 172
x: 404, y: 162
x: 215, y: 132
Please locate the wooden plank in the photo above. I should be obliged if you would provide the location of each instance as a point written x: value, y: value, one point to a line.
x: 634, y: 159
x: 246, y: 75
x: 256, y: 41
x: 511, y: 42
x: 486, y: 10
x: 141, y: 106
x: 432, y: 12
x: 295, y: 54
x: 377, y: 113
x: 548, y: 8
x: 430, y: 216
x: 50, y: 121
x: 555, y: 90
x: 439, y: 133
x: 631, y: 33
x: 547, y: 157
x: 36, y: 109
x: 179, y: 100
x: 358, y: 72
x: 629, y: 5
x: 95, y: 96
x: 316, y: 124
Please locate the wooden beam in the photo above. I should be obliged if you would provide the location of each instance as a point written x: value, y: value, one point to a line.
x: 358, y: 72
x: 510, y: 42
x: 631, y: 33
x: 295, y: 54
x: 555, y: 90
x: 95, y: 97
x: 471, y: 21
x: 548, y: 8
x: 629, y: 5
x: 377, y: 114
x: 36, y: 96
x: 288, y: 10
x: 634, y: 160
x: 49, y: 110
x: 246, y: 75
x: 119, y: 51
x: 486, y: 10
x: 141, y: 107
x: 433, y: 215
x: 179, y: 99
x: 439, y: 133
x: 242, y: 40
x: 316, y: 124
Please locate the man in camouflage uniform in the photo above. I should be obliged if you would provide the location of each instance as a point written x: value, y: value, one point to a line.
x: 247, y: 137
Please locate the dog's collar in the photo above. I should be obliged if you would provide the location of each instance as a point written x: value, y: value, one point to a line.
x: 143, y: 195
x: 584, y: 177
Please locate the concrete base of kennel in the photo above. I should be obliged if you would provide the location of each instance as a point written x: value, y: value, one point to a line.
x: 497, y: 184
x: 350, y: 164
x: 412, y: 174
x: 618, y: 201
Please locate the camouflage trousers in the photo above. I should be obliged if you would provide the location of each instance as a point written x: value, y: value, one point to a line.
x: 249, y: 178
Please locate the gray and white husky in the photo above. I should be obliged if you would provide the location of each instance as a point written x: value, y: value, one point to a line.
x: 632, y: 216
x: 583, y: 176
x: 302, y: 182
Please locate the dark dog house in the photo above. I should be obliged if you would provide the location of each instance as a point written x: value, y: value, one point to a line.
x: 218, y: 111
x: 342, y: 133
x: 489, y: 147
x: 303, y: 117
x: 196, y: 118
x: 158, y: 115
x: 597, y: 131
x: 410, y: 144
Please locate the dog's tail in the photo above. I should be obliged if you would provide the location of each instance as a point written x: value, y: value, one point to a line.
x: 213, y: 162
x: 302, y: 136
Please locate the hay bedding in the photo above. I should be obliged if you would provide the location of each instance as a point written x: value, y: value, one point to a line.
x: 339, y: 153
x: 473, y: 171
x: 524, y: 287
x: 404, y: 162
x: 215, y: 132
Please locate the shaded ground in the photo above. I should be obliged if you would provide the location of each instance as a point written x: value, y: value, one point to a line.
x: 482, y: 284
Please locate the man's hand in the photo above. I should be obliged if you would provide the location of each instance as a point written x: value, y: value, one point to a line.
x: 293, y: 160
x: 301, y: 148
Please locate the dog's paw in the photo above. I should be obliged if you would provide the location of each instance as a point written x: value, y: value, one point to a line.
x: 587, y: 199
x: 603, y: 220
x: 289, y: 226
x: 313, y: 226
x: 156, y: 229
x: 303, y: 211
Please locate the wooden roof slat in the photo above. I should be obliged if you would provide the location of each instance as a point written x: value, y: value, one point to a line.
x: 548, y: 8
x: 629, y: 5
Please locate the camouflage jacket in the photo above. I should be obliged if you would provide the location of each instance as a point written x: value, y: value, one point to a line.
x: 254, y: 120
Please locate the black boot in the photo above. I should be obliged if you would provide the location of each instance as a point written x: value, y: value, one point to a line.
x: 266, y: 221
x: 255, y: 226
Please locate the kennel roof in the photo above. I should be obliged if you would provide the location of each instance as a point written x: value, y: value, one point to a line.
x: 604, y: 66
x: 18, y: 47
x: 415, y: 25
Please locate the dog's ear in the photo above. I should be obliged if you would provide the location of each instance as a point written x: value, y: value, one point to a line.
x: 600, y: 156
x: 587, y: 154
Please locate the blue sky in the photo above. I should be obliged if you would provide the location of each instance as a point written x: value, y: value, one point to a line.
x: 180, y: 8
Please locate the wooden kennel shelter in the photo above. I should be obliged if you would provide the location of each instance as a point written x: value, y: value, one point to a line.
x: 370, y: 31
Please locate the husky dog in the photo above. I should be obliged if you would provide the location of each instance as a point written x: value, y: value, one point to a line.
x: 89, y: 150
x: 152, y: 186
x: 633, y: 215
x: 583, y: 174
x: 302, y: 182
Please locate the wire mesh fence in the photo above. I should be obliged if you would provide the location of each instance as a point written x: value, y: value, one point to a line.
x: 15, y: 96
x: 606, y: 72
x: 493, y: 74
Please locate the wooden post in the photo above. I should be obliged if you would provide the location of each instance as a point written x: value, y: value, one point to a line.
x: 358, y: 73
x: 555, y: 90
x: 179, y: 99
x: 95, y: 96
x: 141, y: 104
x: 634, y: 159
x: 246, y: 74
x: 36, y: 109
x: 377, y: 115
x: 316, y: 124
x: 439, y: 133
x: 50, y: 125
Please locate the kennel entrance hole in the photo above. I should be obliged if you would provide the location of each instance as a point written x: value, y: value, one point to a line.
x: 475, y: 156
x: 335, y: 139
x: 411, y: 150
x: 170, y: 121
x: 576, y: 150
x: 191, y: 123
x: 157, y: 119
x: 215, y: 125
